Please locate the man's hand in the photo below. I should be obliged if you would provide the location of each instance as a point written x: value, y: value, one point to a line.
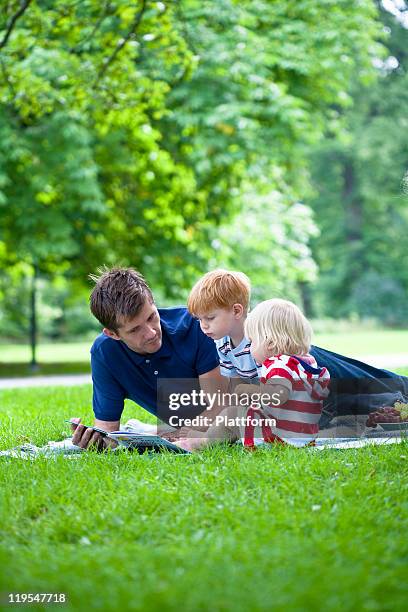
x: 87, y: 437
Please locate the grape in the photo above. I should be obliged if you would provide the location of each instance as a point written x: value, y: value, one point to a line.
x: 385, y: 414
x: 402, y: 409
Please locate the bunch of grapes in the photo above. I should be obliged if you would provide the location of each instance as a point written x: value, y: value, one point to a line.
x: 386, y: 414
x: 403, y: 409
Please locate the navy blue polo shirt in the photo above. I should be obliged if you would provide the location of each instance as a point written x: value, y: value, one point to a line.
x: 119, y: 373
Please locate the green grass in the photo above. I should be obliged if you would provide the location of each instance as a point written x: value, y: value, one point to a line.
x: 46, y: 353
x: 366, y: 342
x: 348, y: 341
x: 283, y: 529
x: 57, y: 358
x: 73, y: 357
x: 13, y: 370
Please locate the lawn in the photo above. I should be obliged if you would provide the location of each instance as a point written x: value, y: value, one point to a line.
x: 73, y: 357
x: 46, y: 353
x: 55, y: 358
x: 355, y: 343
x: 283, y: 529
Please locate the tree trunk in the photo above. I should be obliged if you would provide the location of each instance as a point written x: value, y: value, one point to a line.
x: 306, y: 297
x: 353, y: 205
x: 33, y: 318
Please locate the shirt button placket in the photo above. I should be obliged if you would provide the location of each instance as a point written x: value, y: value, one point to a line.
x: 147, y: 361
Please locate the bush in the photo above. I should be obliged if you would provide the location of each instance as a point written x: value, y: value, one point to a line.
x: 380, y: 297
x: 61, y: 313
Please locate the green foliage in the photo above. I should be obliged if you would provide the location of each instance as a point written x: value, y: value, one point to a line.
x: 14, y: 301
x: 265, y: 82
x: 62, y: 312
x: 129, y: 133
x: 360, y: 203
x: 380, y: 297
x: 268, y: 240
x: 53, y: 187
x: 267, y: 74
x: 78, y: 147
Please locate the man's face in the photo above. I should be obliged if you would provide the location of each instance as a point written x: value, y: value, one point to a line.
x: 141, y: 334
x: 217, y: 323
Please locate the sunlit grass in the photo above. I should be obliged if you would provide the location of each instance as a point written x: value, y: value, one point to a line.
x: 46, y: 353
x: 283, y: 529
x: 366, y: 342
x: 74, y: 357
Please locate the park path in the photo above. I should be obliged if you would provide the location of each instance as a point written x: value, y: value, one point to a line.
x: 66, y: 380
x: 388, y: 362
x: 380, y: 361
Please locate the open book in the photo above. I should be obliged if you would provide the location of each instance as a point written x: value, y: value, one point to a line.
x: 140, y: 441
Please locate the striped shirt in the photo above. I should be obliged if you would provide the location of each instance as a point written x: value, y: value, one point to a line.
x: 297, y: 421
x: 236, y: 361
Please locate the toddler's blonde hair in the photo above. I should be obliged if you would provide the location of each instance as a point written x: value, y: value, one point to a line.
x: 219, y: 289
x: 280, y: 326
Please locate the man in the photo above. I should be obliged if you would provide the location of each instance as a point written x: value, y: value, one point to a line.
x: 139, y: 346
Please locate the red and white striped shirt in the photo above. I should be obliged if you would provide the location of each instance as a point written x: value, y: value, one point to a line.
x: 297, y: 421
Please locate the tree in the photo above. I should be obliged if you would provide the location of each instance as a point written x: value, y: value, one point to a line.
x: 72, y: 94
x: 360, y: 204
x: 269, y: 241
x: 130, y: 131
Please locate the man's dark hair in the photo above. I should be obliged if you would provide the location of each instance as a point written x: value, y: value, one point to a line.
x: 118, y: 293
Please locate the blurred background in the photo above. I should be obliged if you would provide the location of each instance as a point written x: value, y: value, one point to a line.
x: 179, y: 136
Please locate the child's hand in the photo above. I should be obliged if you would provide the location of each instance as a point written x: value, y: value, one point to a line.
x: 189, y: 432
x: 192, y: 444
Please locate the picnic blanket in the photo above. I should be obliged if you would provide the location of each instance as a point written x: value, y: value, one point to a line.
x: 344, y: 443
x: 51, y: 449
x: 67, y: 449
x: 134, y: 436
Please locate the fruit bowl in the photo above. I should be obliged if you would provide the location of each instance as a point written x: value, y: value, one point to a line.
x: 390, y: 418
x: 401, y: 426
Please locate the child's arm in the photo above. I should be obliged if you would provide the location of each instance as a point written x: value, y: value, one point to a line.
x: 247, y: 389
x: 217, y: 432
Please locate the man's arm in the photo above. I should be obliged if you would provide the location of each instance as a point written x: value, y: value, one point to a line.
x: 84, y: 437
